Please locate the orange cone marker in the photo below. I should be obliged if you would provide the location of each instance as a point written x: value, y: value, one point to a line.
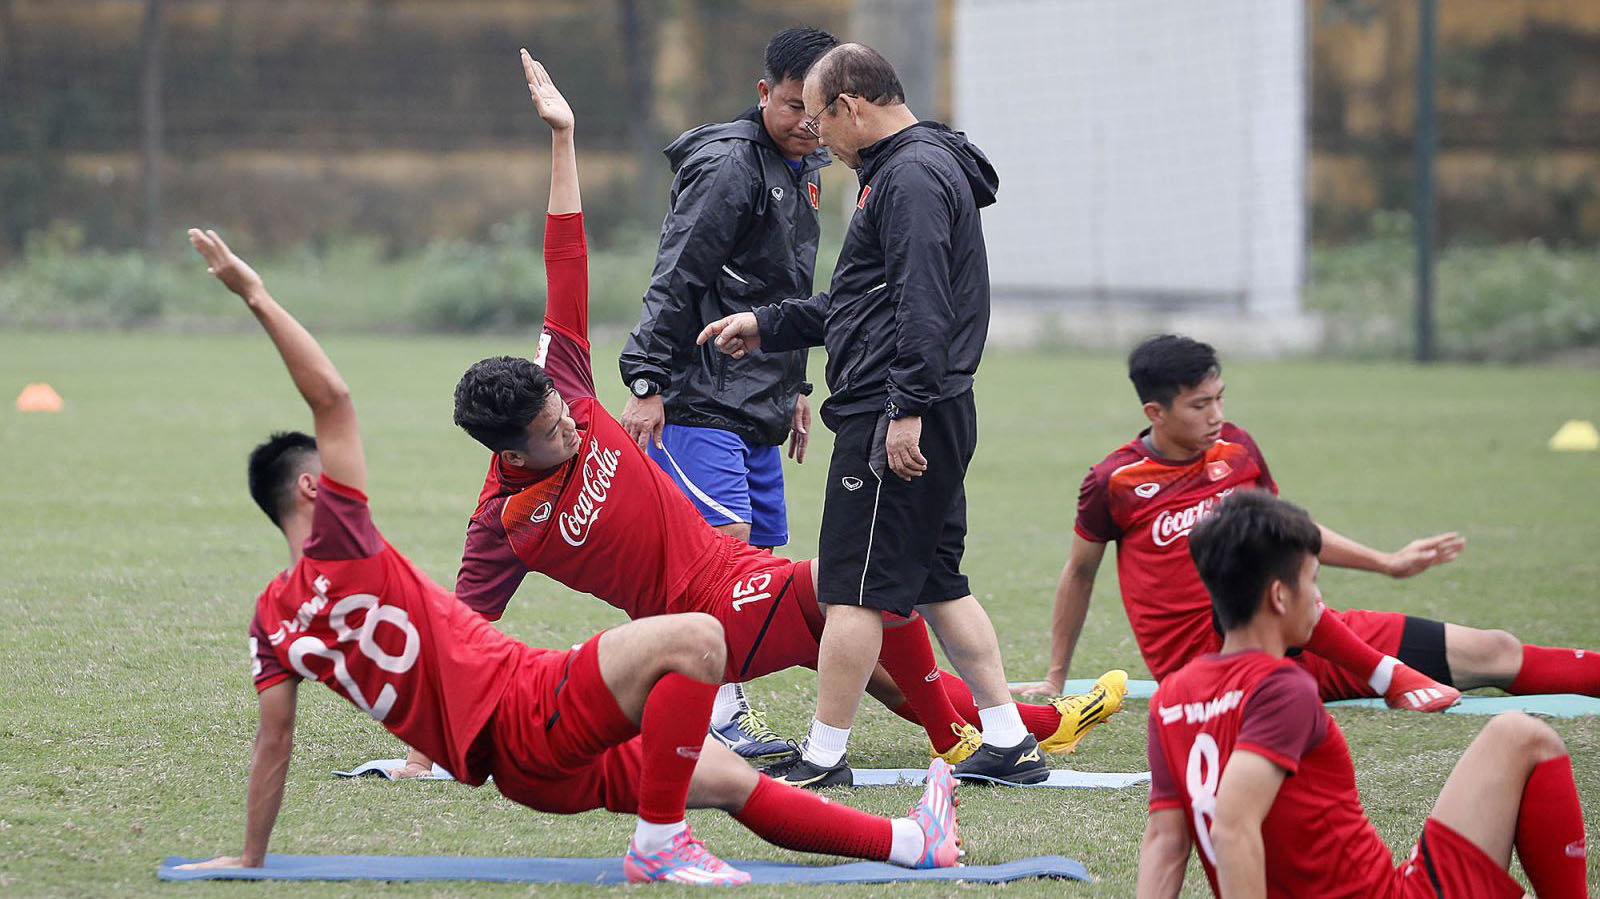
x: 39, y: 397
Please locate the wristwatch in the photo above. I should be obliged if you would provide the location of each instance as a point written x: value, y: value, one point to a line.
x: 893, y: 412
x: 643, y: 387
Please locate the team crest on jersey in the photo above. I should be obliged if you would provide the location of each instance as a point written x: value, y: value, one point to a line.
x: 1218, y: 470
x: 815, y: 192
x: 540, y: 514
x: 777, y: 194
x: 865, y: 192
x: 1147, y: 490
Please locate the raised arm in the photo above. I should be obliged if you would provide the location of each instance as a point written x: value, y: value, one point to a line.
x: 319, y: 383
x: 553, y: 108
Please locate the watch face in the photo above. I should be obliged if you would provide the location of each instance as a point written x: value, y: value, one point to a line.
x: 641, y: 387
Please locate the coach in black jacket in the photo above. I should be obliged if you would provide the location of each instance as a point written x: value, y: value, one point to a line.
x: 904, y: 323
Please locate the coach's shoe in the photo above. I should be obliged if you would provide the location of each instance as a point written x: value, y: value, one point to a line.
x: 935, y: 815
x: 968, y: 739
x: 749, y: 736
x: 1414, y: 691
x: 1080, y: 714
x: 685, y: 860
x: 797, y: 772
x: 1019, y: 764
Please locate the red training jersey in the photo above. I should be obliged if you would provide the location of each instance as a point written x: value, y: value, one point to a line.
x: 356, y: 615
x: 1317, y: 839
x: 608, y: 522
x: 1148, y: 505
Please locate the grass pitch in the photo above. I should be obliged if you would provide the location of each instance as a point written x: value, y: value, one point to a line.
x: 132, y: 554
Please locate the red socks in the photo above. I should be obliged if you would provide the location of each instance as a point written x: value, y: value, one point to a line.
x: 1550, y: 838
x: 677, y: 714
x: 1040, y: 720
x: 1557, y: 671
x: 1335, y: 641
x: 803, y: 821
x: 908, y: 657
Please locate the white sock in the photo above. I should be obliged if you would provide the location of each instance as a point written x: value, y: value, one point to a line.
x: 649, y: 838
x: 825, y: 745
x: 729, y: 703
x: 1382, y: 675
x: 908, y: 842
x: 1002, y: 726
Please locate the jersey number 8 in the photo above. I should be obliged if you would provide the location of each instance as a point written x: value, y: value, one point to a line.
x: 1202, y: 779
x: 366, y: 642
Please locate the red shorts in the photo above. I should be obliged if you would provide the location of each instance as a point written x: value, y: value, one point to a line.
x: 1446, y: 865
x: 558, y: 742
x: 768, y: 609
x: 1381, y: 630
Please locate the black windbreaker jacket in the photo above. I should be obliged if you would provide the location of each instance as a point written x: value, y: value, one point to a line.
x: 741, y: 232
x: 907, y: 313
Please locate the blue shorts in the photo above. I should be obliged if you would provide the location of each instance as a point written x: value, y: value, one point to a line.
x: 728, y: 479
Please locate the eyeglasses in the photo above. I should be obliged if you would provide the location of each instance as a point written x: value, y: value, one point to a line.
x: 811, y: 125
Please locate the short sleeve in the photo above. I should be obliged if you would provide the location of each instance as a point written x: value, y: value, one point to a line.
x: 1265, y: 481
x: 341, y: 524
x: 1094, y: 509
x: 1163, y: 789
x: 265, y: 669
x: 1283, y: 718
x: 490, y: 570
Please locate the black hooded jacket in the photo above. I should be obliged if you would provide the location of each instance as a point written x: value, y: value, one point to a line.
x: 741, y: 232
x: 907, y: 313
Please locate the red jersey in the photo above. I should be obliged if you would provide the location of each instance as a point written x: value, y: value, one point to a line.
x: 356, y: 615
x: 608, y: 522
x: 1148, y: 505
x: 1317, y: 839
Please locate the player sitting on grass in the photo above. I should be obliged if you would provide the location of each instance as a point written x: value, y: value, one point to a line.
x: 1147, y: 495
x: 570, y: 494
x: 1246, y: 764
x: 618, y: 723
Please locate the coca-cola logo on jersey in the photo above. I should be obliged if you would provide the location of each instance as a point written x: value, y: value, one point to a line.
x: 599, y: 467
x: 1174, y: 523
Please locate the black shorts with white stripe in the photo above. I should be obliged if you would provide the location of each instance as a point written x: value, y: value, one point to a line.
x: 891, y: 544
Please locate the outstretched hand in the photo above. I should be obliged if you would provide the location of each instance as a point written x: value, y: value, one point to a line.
x: 547, y: 101
x: 232, y: 271
x: 1420, y: 555
x: 735, y: 335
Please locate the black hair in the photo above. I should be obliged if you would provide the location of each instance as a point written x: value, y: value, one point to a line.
x: 498, y: 397
x: 1166, y: 365
x: 792, y: 52
x: 274, y: 465
x: 860, y: 70
x: 1247, y: 541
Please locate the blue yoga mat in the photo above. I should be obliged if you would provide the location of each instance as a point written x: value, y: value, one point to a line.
x: 1555, y: 705
x: 597, y: 870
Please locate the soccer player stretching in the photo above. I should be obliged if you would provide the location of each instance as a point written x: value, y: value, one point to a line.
x: 569, y: 493
x: 619, y: 722
x: 1247, y: 765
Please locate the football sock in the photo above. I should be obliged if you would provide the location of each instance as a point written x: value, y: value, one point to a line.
x: 825, y: 744
x: 677, y: 714
x: 1040, y: 720
x: 1383, y: 675
x: 1335, y: 641
x: 905, y: 711
x: 1550, y: 838
x: 801, y: 820
x: 652, y: 838
x: 908, y: 657
x: 1546, y: 670
x: 1002, y: 726
x: 906, y: 850
x: 730, y: 702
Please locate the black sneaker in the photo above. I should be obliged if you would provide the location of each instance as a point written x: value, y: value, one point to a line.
x: 1019, y: 764
x: 798, y: 772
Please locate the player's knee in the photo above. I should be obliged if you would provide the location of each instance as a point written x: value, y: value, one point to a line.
x: 1532, y: 738
x: 1503, y: 649
x: 700, y: 646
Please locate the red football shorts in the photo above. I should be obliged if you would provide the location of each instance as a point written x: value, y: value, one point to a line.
x: 769, y: 613
x: 1445, y: 865
x: 1381, y: 630
x: 558, y: 741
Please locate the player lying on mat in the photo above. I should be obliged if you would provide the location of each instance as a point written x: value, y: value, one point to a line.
x: 571, y: 495
x: 1229, y: 729
x: 619, y: 722
x: 1147, y: 495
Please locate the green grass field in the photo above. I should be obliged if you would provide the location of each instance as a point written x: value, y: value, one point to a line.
x: 132, y: 555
